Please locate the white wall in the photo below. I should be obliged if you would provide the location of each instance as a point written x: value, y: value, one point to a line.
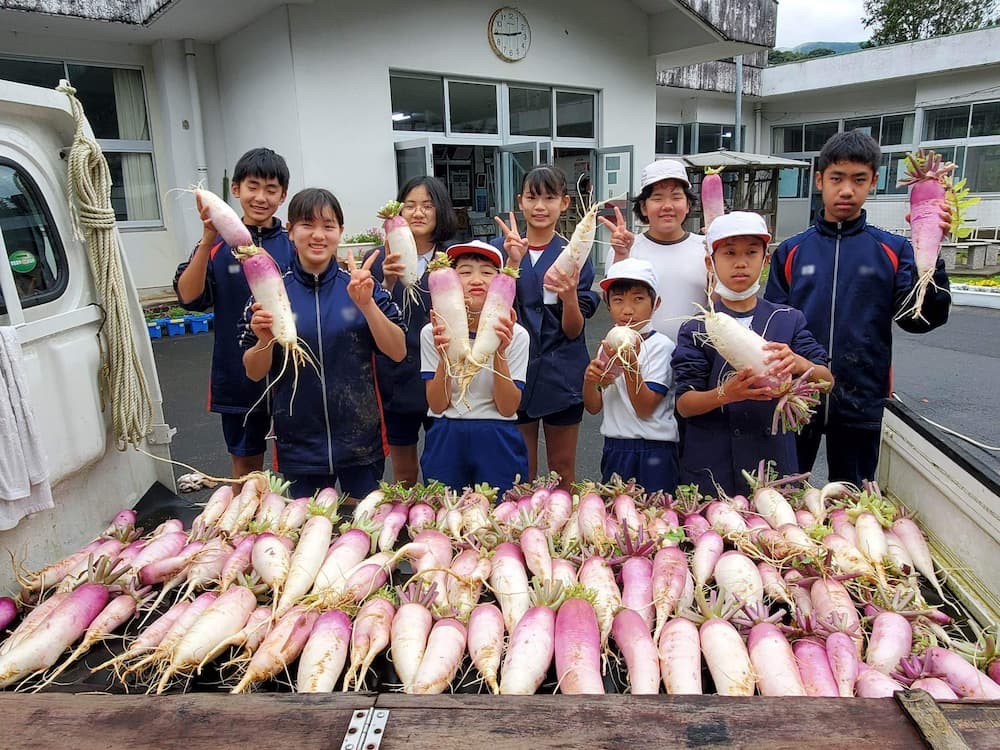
x: 324, y: 102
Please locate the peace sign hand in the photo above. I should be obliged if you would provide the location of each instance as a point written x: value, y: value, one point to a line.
x: 513, y: 244
x: 361, y: 287
x: 621, y: 237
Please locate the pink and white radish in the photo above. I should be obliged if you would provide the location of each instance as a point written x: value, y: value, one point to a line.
x: 281, y: 646
x: 641, y: 657
x: 305, y: 562
x: 913, y: 541
x: 441, y: 659
x: 619, y: 347
x: 448, y: 303
x: 324, y: 654
x: 773, y: 661
x: 890, y: 641
x: 814, y: 668
x: 411, y: 627
x: 399, y: 239
x: 679, y: 651
x: 369, y: 638
x: 712, y: 203
x: 578, y: 648
x: 577, y: 250
x: 927, y: 175
x: 509, y: 582
x: 727, y: 658
x: 498, y: 303
x: 486, y: 643
x: 229, y: 226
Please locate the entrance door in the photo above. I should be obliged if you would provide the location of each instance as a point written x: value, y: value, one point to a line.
x: 414, y: 158
x: 614, y: 180
x: 516, y: 160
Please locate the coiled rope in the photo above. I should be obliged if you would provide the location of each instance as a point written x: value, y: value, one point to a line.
x: 122, y: 378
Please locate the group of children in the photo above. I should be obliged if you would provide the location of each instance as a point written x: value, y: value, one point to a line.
x: 673, y: 413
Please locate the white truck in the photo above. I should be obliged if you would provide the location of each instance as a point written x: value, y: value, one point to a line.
x: 51, y: 303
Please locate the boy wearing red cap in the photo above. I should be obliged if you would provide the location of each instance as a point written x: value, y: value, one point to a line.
x: 475, y: 439
x: 728, y: 419
x: 637, y: 398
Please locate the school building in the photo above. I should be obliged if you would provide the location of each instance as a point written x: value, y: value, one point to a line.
x: 360, y: 97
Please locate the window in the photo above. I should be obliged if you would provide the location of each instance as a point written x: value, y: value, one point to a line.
x: 712, y: 137
x: 34, y: 253
x: 869, y: 125
x: 472, y: 107
x: 787, y: 139
x: 575, y: 114
x: 897, y: 130
x: 982, y: 168
x: 947, y: 122
x: 818, y: 133
x: 417, y: 103
x: 687, y: 138
x: 985, y: 119
x: 114, y: 100
x: 668, y: 139
x: 530, y: 111
x: 892, y: 169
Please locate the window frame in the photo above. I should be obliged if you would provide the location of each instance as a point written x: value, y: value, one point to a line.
x: 59, y: 249
x: 116, y: 145
x: 966, y: 142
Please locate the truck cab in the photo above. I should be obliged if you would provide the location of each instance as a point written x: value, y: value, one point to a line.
x: 49, y: 300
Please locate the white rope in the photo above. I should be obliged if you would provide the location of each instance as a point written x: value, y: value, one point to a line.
x: 122, y: 378
x: 950, y: 431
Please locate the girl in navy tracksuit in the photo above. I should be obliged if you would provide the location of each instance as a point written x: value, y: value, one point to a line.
x: 211, y: 278
x: 333, y: 429
x: 554, y: 317
x: 428, y: 211
x: 728, y: 428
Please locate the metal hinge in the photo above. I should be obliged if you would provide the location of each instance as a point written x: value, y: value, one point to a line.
x: 366, y: 729
x: 161, y: 434
x: 934, y: 726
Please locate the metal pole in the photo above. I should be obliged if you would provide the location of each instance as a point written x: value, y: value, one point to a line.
x: 737, y: 140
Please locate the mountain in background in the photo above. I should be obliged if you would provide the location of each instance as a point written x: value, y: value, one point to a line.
x: 837, y: 47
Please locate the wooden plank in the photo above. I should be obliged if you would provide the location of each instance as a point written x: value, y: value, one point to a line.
x: 555, y: 721
x: 178, y: 722
x: 936, y: 730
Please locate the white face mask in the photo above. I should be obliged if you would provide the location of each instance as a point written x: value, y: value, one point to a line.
x: 728, y: 294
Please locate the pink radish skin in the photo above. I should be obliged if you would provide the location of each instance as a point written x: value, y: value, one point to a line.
x: 268, y: 288
x: 637, y: 589
x: 369, y: 638
x: 772, y: 506
x: 432, y: 566
x: 8, y: 612
x: 350, y: 548
x: 442, y: 658
x: 844, y: 663
x: 712, y: 203
x: 707, y: 552
x: 841, y: 524
x: 498, y: 302
x: 641, y: 657
x: 961, y: 676
x: 871, y: 539
x: 162, y: 570
x: 774, y: 584
x: 913, y: 541
x: 535, y: 548
x: 890, y: 641
x: 448, y: 302
x: 60, y: 630
x: 280, y: 647
x: 510, y: 583
x: 724, y: 518
x: 897, y: 553
x: 595, y: 573
x: 695, y: 525
x: 578, y: 649
x: 324, y: 654
x: 800, y: 594
x: 485, y: 643
x: 369, y: 576
x: 399, y: 237
x: 874, y: 684
x: 591, y: 516
x: 847, y: 558
x: 814, y: 669
x: 306, y: 562
x: 530, y: 653
x: 727, y: 658
x: 737, y: 576
x: 773, y: 661
x: 804, y: 518
x: 150, y: 638
x: 294, y: 515
x: 679, y: 652
x: 833, y: 607
x: 670, y: 569
x: 938, y: 688
x: 393, y: 524
x: 420, y: 517
x: 108, y: 548
x: 625, y: 511
x: 237, y: 563
x: 217, y: 503
x: 559, y: 509
x: 271, y: 559
x: 563, y: 571
x: 271, y: 507
x: 411, y: 626
x: 33, y: 619
x: 224, y: 219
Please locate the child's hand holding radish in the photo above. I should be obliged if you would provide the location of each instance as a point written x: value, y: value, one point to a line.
x: 514, y: 244
x: 743, y: 386
x: 260, y: 324
x: 505, y: 331
x: 621, y: 237
x: 442, y: 339
x: 783, y: 361
x: 598, y: 375
x: 209, y: 232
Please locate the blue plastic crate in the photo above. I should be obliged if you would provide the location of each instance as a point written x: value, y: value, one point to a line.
x: 198, y: 323
x: 155, y: 332
x: 176, y: 326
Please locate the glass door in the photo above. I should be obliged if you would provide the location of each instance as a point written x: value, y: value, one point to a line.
x: 516, y: 160
x: 414, y: 158
x: 614, y: 180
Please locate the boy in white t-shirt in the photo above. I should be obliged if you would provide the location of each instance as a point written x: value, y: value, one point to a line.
x: 475, y: 439
x: 639, y: 427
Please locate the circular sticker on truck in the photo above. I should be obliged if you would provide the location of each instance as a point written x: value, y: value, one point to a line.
x: 21, y: 261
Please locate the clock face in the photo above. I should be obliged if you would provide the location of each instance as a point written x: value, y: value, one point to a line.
x: 510, y: 35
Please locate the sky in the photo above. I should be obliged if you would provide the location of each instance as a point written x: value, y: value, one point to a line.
x: 814, y: 21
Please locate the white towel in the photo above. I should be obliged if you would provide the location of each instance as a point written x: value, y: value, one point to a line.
x: 24, y: 474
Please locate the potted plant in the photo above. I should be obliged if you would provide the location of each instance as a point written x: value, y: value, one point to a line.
x: 359, y: 244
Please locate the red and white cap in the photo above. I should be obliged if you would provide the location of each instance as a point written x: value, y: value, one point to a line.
x: 736, y: 224
x: 477, y: 247
x: 632, y: 269
x: 664, y: 169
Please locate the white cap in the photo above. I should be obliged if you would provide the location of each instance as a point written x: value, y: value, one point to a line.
x: 664, y: 169
x: 737, y: 224
x: 476, y: 247
x: 632, y: 269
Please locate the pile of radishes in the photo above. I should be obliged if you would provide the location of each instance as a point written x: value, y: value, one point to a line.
x: 796, y: 590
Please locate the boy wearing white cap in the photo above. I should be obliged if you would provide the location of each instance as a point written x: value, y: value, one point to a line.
x: 475, y: 439
x: 677, y: 255
x: 728, y: 419
x: 639, y: 427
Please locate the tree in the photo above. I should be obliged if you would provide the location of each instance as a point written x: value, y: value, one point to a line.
x: 894, y: 21
x: 777, y: 56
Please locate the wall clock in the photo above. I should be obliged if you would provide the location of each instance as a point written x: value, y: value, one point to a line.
x: 509, y: 34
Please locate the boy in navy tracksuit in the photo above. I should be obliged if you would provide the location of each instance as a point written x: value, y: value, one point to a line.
x: 428, y: 212
x: 728, y: 415
x: 332, y: 430
x: 211, y: 278
x: 851, y: 280
x: 639, y: 428
x: 475, y: 439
